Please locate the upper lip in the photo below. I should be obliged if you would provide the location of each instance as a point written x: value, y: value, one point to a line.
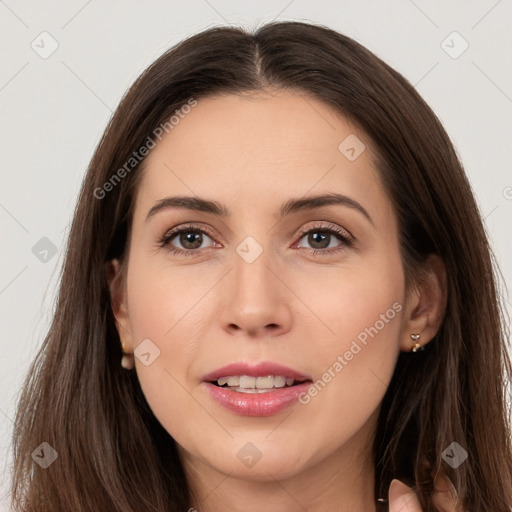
x: 262, y: 369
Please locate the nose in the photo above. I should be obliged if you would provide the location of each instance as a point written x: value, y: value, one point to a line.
x: 256, y: 299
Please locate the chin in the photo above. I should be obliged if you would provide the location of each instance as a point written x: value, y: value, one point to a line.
x: 259, y: 460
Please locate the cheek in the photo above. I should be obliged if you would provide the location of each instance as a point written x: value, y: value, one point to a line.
x: 160, y: 298
x: 169, y: 307
x: 356, y: 364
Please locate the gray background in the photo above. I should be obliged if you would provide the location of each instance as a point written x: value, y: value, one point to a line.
x: 54, y: 110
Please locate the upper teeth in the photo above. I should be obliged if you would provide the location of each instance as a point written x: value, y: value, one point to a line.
x: 246, y: 381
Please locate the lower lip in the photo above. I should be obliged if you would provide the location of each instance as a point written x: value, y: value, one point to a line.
x: 256, y: 404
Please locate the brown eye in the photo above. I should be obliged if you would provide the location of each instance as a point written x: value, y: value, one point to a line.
x: 319, y: 239
x: 323, y: 239
x: 190, y: 239
x: 186, y: 240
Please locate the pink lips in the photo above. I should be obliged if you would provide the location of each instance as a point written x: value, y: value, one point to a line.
x: 257, y: 404
x: 259, y: 370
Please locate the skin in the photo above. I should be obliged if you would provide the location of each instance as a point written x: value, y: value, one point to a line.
x: 252, y: 153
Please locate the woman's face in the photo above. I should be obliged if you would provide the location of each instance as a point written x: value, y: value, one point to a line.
x: 280, y: 278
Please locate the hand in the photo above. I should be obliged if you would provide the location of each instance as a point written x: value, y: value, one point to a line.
x: 403, y: 499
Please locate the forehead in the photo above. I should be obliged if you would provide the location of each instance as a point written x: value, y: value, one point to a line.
x: 255, y: 147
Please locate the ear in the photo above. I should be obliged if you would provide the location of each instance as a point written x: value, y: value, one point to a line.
x: 425, y: 305
x: 116, y: 279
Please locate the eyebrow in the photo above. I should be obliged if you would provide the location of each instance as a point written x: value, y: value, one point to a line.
x: 291, y: 206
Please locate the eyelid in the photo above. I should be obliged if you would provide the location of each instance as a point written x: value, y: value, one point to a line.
x: 327, y: 226
x: 191, y: 226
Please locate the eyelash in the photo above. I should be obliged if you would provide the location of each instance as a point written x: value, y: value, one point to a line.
x: 343, y: 235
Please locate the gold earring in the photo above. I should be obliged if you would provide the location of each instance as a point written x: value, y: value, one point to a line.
x: 416, y: 345
x: 127, y: 359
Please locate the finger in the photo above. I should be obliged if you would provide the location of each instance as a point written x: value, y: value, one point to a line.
x: 445, y: 495
x: 402, y: 498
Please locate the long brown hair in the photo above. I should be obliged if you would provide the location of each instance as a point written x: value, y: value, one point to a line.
x: 113, y: 454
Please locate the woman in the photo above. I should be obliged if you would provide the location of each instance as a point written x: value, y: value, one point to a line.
x: 276, y: 240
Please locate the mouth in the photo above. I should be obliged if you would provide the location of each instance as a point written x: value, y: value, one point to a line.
x: 261, y: 390
x: 260, y: 384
